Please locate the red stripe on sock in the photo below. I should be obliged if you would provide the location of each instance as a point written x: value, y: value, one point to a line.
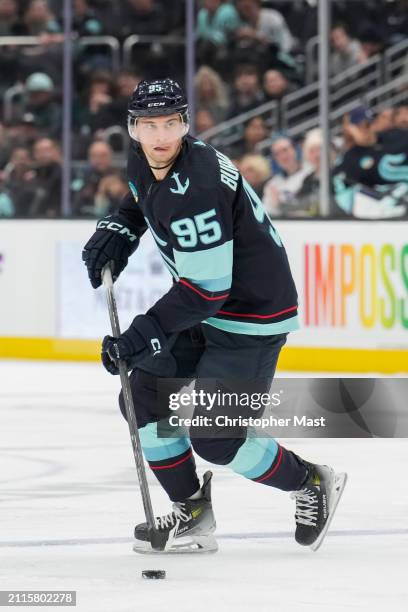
x: 220, y: 297
x: 256, y: 316
x: 172, y: 465
x: 273, y: 470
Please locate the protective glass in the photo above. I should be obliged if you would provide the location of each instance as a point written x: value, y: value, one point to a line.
x: 156, y: 131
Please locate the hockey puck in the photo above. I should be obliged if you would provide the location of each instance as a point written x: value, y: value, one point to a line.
x: 153, y: 574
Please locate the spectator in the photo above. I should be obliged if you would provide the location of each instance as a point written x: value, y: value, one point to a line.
x: 100, y: 156
x: 111, y: 190
x: 256, y: 170
x: 39, y: 102
x: 47, y: 179
x: 9, y: 19
x: 276, y: 84
x: 10, y: 56
x: 255, y: 131
x: 141, y: 17
x: 109, y: 14
x: 372, y: 42
x: 265, y: 26
x: 4, y: 145
x: 384, y: 120
x: 17, y: 181
x: 371, y: 177
x: 211, y: 93
x: 45, y: 57
x: 307, y: 198
x: 19, y: 166
x: 397, y: 20
x: 280, y: 191
x: 217, y: 20
x: 96, y: 111
x: 302, y: 20
x: 246, y: 92
x: 22, y: 131
x: 7, y: 208
x: 153, y: 58
x: 124, y: 85
x: 401, y: 117
x: 38, y: 19
x: 346, y: 51
x: 175, y: 17
x: 203, y: 120
x: 86, y: 21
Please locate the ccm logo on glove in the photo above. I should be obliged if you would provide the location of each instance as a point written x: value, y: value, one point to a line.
x: 143, y: 339
x: 112, y: 243
x: 156, y: 346
x: 116, y: 227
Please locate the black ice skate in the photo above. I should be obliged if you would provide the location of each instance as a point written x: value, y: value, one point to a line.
x: 189, y: 527
x: 316, y: 503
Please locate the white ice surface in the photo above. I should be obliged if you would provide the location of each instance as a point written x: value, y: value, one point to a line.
x: 69, y: 501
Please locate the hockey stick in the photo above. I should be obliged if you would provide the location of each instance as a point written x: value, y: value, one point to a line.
x: 156, y: 538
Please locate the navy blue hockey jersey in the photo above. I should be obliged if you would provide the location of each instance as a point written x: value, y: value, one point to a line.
x: 229, y: 266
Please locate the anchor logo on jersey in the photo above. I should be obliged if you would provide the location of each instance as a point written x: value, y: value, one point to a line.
x: 181, y: 189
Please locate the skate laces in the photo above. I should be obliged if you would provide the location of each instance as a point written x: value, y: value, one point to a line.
x: 169, y: 520
x: 307, y: 504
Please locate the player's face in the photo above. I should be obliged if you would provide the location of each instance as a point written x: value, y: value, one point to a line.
x: 160, y: 137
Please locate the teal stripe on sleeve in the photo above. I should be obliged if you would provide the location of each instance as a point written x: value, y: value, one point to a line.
x: 157, y: 449
x: 215, y: 263
x: 255, y: 329
x: 216, y: 284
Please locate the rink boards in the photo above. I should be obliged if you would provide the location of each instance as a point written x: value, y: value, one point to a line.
x: 352, y: 279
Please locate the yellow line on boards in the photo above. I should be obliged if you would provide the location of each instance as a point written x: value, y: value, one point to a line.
x: 323, y: 359
x: 50, y: 348
x: 307, y: 359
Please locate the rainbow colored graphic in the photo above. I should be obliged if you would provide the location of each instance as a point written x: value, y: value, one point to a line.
x: 346, y: 281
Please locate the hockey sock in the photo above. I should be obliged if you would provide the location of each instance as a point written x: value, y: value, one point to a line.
x: 263, y: 460
x: 172, y: 462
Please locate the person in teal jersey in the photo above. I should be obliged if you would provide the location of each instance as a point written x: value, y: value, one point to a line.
x: 370, y: 177
x: 216, y: 20
x: 223, y: 323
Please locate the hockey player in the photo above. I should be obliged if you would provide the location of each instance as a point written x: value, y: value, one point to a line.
x: 226, y: 317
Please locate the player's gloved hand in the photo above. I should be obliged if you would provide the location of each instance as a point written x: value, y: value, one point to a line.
x: 143, y: 338
x: 112, y: 241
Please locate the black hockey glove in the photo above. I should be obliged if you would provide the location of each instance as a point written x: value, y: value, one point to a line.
x: 112, y: 241
x: 143, y: 338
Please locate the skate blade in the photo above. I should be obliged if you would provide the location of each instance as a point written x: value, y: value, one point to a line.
x: 195, y: 545
x: 339, y: 483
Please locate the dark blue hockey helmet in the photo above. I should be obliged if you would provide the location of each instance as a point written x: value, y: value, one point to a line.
x: 155, y: 99
x: 158, y: 97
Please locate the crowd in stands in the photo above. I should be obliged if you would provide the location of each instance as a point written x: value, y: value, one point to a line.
x: 249, y: 52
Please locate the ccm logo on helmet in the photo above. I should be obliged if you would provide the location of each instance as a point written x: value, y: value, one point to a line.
x: 116, y: 227
x: 156, y: 104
